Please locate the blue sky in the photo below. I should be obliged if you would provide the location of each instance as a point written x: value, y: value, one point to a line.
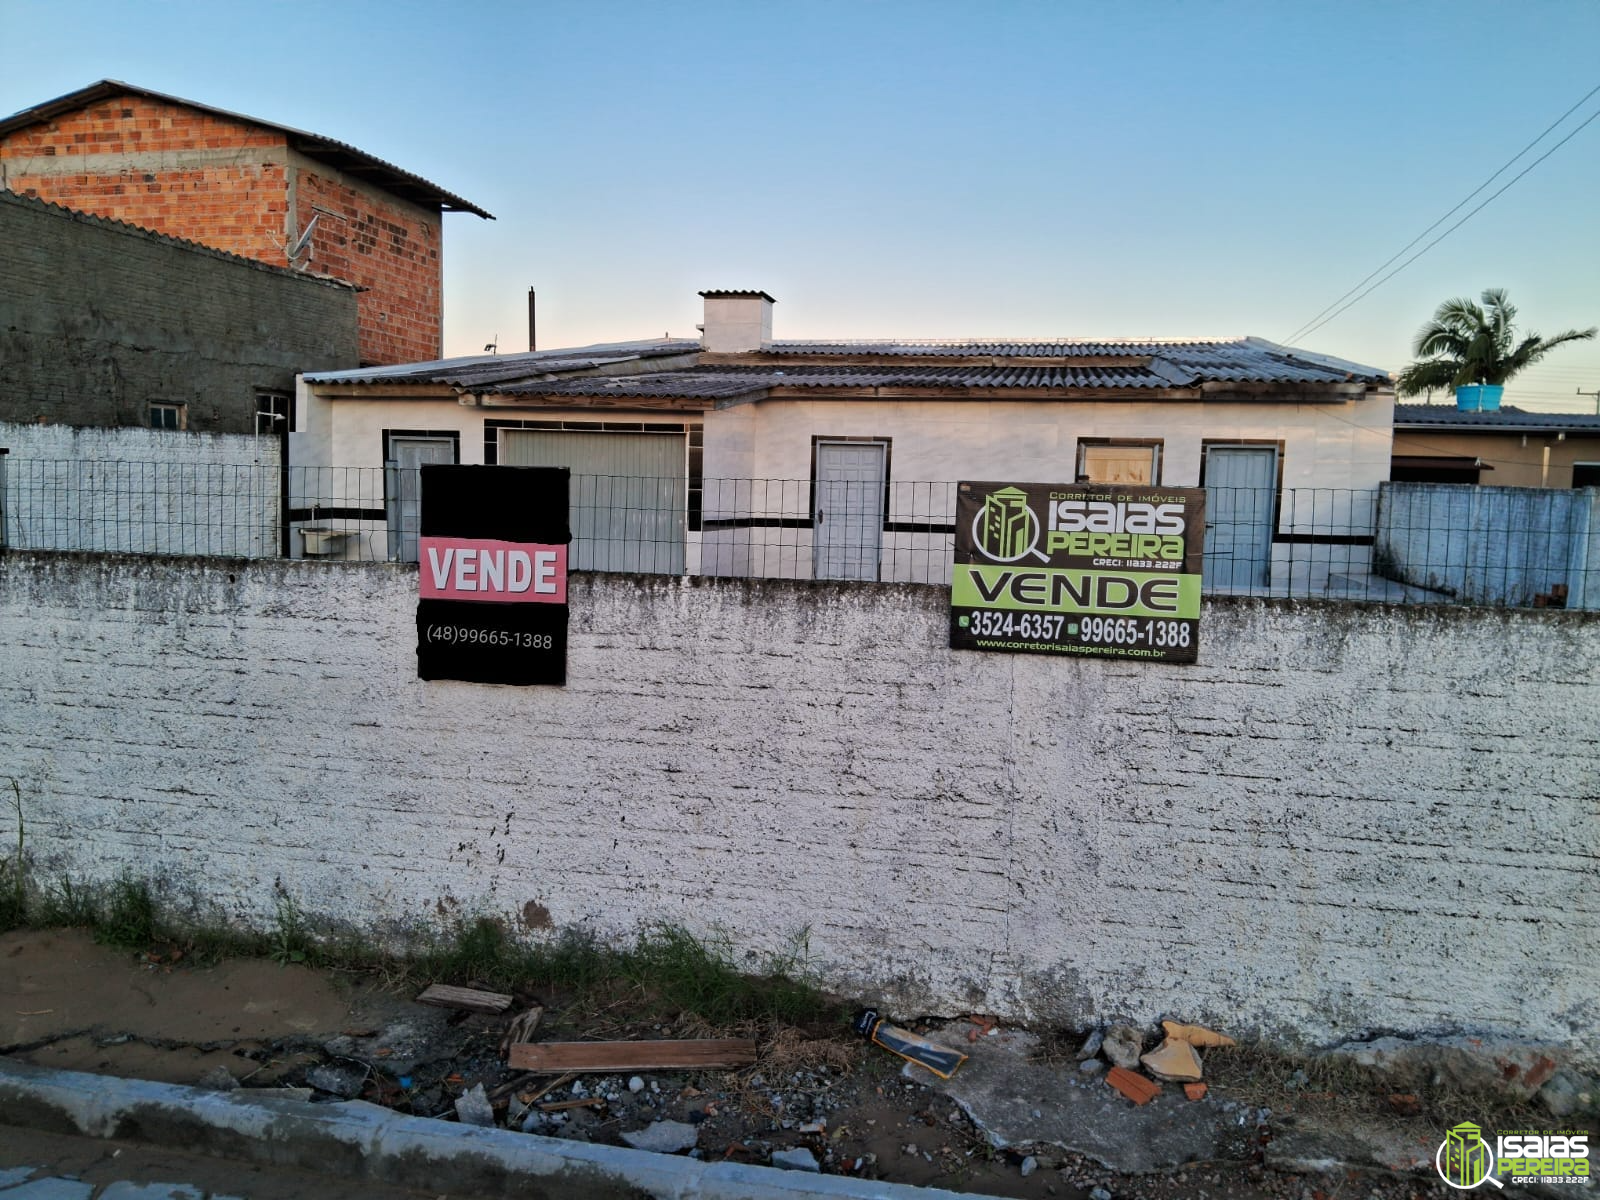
x: 890, y: 169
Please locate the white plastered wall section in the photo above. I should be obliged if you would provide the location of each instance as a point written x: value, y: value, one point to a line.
x: 1335, y: 454
x: 1343, y: 819
x: 139, y: 491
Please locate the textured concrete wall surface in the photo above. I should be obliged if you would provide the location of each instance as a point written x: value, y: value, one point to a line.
x: 139, y: 491
x: 98, y: 320
x: 1344, y: 819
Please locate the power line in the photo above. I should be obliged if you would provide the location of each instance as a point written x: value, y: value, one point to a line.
x: 1312, y: 324
x: 1508, y: 184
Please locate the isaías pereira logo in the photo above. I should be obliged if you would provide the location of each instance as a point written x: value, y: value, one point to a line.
x: 1006, y: 529
x: 1465, y: 1160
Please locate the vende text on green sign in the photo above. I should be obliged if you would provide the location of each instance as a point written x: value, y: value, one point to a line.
x: 1082, y: 569
x: 1133, y: 594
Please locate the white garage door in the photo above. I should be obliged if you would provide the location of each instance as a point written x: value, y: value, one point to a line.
x: 629, y: 494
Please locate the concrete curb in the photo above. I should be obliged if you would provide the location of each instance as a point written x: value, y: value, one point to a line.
x: 365, y: 1142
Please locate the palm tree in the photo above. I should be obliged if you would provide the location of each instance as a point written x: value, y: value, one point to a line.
x: 1466, y: 344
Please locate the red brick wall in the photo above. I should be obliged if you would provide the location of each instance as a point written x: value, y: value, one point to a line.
x: 240, y: 204
x: 389, y: 247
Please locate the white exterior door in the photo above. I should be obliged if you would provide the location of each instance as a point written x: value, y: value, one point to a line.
x: 1241, y: 500
x: 629, y: 494
x: 403, y: 489
x: 848, y: 521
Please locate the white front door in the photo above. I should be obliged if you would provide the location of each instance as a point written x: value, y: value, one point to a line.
x: 403, y: 489
x: 1241, y: 500
x: 848, y: 518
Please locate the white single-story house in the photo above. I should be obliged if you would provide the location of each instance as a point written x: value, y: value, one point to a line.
x: 740, y: 454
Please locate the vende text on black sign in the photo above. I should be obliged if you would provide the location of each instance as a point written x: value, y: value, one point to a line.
x: 492, y: 604
x: 1082, y: 569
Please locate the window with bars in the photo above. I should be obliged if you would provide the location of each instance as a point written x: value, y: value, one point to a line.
x: 274, y: 412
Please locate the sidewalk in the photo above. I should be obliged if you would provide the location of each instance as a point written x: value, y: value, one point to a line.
x: 362, y: 1149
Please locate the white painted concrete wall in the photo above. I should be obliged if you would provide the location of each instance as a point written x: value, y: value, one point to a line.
x: 1345, y: 818
x: 139, y: 491
x: 1493, y: 545
x: 1343, y: 445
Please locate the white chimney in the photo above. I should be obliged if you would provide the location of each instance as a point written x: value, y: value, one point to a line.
x: 736, y: 322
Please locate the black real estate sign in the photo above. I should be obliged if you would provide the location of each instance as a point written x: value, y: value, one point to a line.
x: 492, y: 552
x: 1082, y: 569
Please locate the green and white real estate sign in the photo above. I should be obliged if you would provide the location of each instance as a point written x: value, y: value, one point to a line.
x: 1083, y: 569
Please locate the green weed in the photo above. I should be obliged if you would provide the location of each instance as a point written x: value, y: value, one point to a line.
x: 290, y: 940
x: 67, y: 905
x: 13, y: 874
x: 129, y: 919
x: 700, y: 976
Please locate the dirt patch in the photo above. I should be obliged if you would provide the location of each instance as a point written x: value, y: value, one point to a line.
x: 66, y: 1002
x: 59, y: 981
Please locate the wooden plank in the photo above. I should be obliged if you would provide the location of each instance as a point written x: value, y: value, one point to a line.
x: 700, y: 1054
x: 445, y: 996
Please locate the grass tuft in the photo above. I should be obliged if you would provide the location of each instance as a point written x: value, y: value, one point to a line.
x: 682, y: 972
x: 290, y: 940
x: 13, y: 874
x: 129, y: 919
x: 688, y: 981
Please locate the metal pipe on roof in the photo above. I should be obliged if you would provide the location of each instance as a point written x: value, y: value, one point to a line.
x: 533, y: 341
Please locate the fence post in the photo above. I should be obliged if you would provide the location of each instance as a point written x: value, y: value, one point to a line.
x: 285, y: 548
x: 4, y: 514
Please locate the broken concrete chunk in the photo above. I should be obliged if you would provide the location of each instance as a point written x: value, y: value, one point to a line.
x: 1005, y: 1086
x: 1497, y: 1066
x: 797, y: 1159
x: 218, y: 1079
x: 664, y: 1137
x: 1122, y: 1046
x: 1174, y: 1062
x: 1568, y: 1093
x: 1196, y: 1035
x: 1091, y: 1045
x: 338, y: 1079
x: 473, y: 1108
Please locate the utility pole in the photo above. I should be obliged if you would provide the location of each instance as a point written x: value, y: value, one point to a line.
x: 1596, y: 395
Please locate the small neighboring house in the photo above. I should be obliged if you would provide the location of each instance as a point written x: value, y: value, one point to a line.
x: 104, y: 324
x: 250, y: 187
x: 737, y: 453
x: 1437, y: 443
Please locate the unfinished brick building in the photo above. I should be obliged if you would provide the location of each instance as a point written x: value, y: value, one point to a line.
x: 265, y: 191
